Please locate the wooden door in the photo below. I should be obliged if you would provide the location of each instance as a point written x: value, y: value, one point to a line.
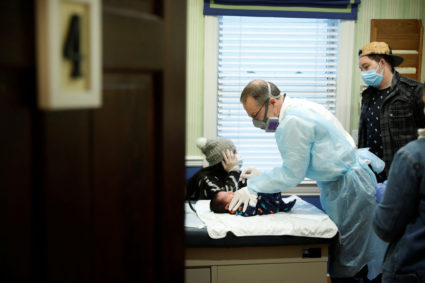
x: 97, y: 195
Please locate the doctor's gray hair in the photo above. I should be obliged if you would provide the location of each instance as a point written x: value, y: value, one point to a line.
x: 259, y: 90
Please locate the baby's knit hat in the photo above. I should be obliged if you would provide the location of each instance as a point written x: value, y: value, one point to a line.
x: 213, y: 148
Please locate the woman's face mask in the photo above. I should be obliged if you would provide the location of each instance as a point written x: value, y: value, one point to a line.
x: 372, y: 78
x: 240, y: 159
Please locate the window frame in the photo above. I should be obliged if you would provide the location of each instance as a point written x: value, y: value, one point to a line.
x: 343, y: 95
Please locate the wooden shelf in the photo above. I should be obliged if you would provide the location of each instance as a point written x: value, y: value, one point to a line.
x: 405, y: 39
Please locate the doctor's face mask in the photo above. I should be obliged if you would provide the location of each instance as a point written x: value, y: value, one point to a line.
x: 268, y: 124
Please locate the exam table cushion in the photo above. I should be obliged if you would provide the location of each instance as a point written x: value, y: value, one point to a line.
x: 305, y: 220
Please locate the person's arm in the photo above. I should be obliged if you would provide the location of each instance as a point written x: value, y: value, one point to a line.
x: 419, y: 106
x: 399, y: 203
x: 231, y: 182
x: 231, y: 166
x: 210, y: 184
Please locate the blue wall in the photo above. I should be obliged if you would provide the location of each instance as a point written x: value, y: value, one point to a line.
x: 190, y: 171
x: 315, y: 200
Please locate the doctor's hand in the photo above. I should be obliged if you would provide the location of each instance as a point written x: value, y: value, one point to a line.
x: 240, y: 197
x: 230, y: 161
x: 249, y: 172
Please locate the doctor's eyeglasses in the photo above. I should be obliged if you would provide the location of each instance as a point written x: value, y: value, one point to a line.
x: 256, y: 113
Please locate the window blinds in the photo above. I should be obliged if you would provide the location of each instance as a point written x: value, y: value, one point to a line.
x: 299, y: 55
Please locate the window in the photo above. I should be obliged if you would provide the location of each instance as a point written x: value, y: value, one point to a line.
x: 301, y: 56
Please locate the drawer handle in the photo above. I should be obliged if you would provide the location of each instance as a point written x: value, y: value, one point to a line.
x: 312, y: 253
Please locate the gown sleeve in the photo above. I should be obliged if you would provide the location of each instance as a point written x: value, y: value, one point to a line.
x: 294, y: 138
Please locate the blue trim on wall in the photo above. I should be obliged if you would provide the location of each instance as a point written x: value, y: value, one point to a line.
x: 190, y: 171
x: 289, y: 3
x: 284, y: 14
x: 350, y: 5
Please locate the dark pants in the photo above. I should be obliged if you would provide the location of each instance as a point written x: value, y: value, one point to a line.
x: 360, y: 277
x: 400, y: 278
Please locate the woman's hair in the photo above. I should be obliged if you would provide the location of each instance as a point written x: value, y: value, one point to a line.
x: 217, y: 206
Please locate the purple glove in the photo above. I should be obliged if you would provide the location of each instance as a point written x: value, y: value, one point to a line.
x: 380, y: 190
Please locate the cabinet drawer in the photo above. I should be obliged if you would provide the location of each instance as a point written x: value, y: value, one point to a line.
x: 269, y: 273
x: 197, y: 275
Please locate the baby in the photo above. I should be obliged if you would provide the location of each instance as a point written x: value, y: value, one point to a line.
x: 260, y: 204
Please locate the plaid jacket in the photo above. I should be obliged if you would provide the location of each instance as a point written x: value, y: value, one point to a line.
x: 402, y: 113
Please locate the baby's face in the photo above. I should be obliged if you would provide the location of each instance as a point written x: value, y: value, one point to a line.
x: 225, y: 197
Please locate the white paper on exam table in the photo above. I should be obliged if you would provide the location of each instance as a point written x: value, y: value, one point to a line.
x: 304, y: 220
x: 191, y: 219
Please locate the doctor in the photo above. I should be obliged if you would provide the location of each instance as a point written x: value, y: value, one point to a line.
x: 313, y: 144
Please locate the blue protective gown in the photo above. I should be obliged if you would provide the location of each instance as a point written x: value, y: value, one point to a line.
x: 313, y: 144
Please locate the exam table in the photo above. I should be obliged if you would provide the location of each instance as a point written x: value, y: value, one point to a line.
x: 254, y: 258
